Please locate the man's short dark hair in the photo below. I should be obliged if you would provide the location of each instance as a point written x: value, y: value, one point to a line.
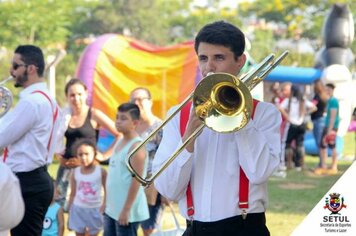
x: 32, y: 55
x: 132, y: 108
x: 224, y: 34
x: 330, y: 85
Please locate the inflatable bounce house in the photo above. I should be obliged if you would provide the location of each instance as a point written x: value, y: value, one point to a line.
x: 113, y: 65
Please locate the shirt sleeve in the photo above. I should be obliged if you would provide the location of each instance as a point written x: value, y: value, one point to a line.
x: 172, y: 182
x: 12, y: 205
x: 333, y: 103
x: 284, y: 104
x: 62, y: 127
x: 259, y: 143
x: 17, y: 122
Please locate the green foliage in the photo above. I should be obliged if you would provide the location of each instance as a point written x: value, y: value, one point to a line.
x: 36, y: 22
x: 302, y: 18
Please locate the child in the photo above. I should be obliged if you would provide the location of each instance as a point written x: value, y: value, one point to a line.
x: 53, y: 223
x: 126, y: 204
x: 86, y: 203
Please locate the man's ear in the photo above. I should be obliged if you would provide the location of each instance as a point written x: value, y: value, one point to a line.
x: 242, y: 60
x: 31, y: 69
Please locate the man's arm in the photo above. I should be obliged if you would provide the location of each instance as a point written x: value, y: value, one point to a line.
x: 174, y: 179
x: 17, y: 123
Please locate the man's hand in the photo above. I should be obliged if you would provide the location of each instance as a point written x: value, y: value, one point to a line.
x: 193, y: 123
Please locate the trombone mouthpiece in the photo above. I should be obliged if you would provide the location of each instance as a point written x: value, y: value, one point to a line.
x: 5, y: 80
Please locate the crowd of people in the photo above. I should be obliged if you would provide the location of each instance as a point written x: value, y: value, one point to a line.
x: 320, y: 114
x: 234, y: 165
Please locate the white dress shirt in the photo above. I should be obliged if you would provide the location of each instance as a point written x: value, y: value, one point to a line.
x: 26, y: 130
x: 63, y: 126
x: 12, y: 206
x: 213, y: 167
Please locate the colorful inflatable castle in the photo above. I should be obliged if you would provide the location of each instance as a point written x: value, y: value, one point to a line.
x: 113, y: 65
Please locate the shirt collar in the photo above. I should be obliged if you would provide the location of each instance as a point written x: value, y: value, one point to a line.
x: 33, y: 87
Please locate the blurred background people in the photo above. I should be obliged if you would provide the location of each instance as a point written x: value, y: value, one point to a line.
x: 126, y: 203
x: 282, y: 92
x: 87, y: 198
x: 80, y: 121
x: 294, y: 110
x: 149, y: 122
x: 328, y: 138
x: 318, y: 116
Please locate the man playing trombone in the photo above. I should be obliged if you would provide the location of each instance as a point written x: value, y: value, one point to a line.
x: 28, y: 136
x: 220, y: 179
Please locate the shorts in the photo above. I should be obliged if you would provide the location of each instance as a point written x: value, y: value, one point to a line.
x: 155, y: 214
x: 327, y: 141
x: 80, y: 218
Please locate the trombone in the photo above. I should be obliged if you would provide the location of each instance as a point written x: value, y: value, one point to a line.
x: 6, y: 97
x: 222, y: 101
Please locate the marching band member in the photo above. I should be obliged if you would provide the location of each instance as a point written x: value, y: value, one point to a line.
x: 220, y: 179
x: 29, y: 130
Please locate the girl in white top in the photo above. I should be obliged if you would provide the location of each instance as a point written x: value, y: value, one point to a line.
x: 294, y: 109
x: 86, y: 202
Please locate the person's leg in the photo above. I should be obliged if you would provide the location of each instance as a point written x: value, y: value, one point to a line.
x: 318, y: 126
x: 109, y: 226
x: 62, y: 180
x: 149, y: 225
x: 37, y: 192
x: 323, y: 149
x: 334, y: 159
x: 288, y: 150
x: 284, y: 133
x: 300, y: 147
x: 127, y: 230
x: 323, y: 154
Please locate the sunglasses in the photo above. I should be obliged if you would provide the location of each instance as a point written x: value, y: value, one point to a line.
x: 15, y: 66
x: 138, y: 99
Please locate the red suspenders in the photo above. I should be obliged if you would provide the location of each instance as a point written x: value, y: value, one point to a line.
x: 54, y: 120
x: 244, y: 182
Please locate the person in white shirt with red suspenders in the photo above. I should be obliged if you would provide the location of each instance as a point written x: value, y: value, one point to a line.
x: 30, y: 136
x: 220, y: 179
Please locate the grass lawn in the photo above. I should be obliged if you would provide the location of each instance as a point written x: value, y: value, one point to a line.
x: 290, y: 198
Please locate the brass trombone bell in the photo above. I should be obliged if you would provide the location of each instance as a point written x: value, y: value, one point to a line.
x: 222, y: 101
